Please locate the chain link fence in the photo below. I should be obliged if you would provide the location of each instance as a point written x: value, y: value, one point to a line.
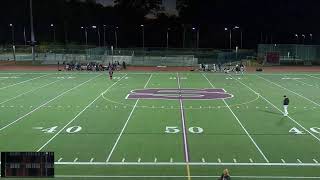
x: 289, y: 53
x: 132, y: 56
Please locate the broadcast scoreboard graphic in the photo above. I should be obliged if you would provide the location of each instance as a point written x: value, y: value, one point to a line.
x: 27, y: 164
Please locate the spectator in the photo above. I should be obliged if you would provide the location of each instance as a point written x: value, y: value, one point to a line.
x: 225, y: 175
x: 206, y: 67
x: 124, y: 65
x: 242, y: 68
x: 237, y: 69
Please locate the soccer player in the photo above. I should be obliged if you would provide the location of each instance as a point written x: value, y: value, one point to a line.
x: 285, y: 105
x: 110, y: 69
x: 225, y: 175
x: 241, y: 68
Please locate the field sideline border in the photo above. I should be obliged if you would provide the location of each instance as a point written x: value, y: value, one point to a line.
x: 162, y: 177
x: 78, y: 163
x: 165, y: 72
x: 184, y: 164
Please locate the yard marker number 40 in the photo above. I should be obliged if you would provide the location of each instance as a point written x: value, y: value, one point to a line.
x: 297, y: 131
x: 73, y: 129
x: 175, y: 129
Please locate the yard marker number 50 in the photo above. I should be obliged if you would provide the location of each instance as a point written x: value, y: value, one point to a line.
x: 175, y: 130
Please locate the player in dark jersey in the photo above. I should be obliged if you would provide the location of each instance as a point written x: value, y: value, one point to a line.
x: 110, y: 69
x: 225, y: 175
x: 285, y: 105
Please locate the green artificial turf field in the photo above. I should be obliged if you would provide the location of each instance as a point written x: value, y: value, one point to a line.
x: 98, y: 132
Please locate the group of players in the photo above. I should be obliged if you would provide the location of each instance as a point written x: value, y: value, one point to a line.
x: 239, y: 68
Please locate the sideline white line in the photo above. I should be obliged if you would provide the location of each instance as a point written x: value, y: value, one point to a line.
x: 305, y: 129
x: 65, y: 92
x: 312, y: 76
x: 158, y: 72
x: 29, y: 92
x: 24, y: 81
x: 164, y: 177
x: 79, y: 114
x: 184, y: 164
x: 245, y: 130
x: 289, y: 90
x: 125, y: 125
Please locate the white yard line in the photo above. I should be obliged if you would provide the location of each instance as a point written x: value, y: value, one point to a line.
x: 184, y: 164
x: 29, y: 92
x: 79, y: 114
x: 244, y: 129
x: 44, y: 104
x: 183, y: 122
x: 289, y: 90
x: 305, y: 129
x: 24, y: 81
x: 125, y: 125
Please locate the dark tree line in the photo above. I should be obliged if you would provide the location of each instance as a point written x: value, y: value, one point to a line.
x: 260, y: 21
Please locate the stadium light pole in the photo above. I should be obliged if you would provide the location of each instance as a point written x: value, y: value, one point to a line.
x: 198, y: 35
x: 142, y: 27
x: 241, y: 35
x: 225, y: 41
x: 24, y: 36
x: 297, y: 38
x: 32, y: 42
x: 104, y: 35
x: 85, y: 34
x: 13, y: 46
x: 99, y: 36
x: 53, y: 28
x: 116, y: 36
x: 230, y: 37
x: 168, y: 29
x: 12, y: 33
x: 237, y: 27
x: 304, y: 37
x: 98, y: 32
x: 184, y: 36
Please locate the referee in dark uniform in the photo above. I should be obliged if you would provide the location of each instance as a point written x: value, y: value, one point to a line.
x: 285, y: 105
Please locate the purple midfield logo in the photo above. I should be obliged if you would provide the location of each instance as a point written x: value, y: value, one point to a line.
x: 186, y: 94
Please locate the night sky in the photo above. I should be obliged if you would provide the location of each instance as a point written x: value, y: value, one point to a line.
x: 260, y: 21
x: 169, y: 5
x: 105, y: 2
